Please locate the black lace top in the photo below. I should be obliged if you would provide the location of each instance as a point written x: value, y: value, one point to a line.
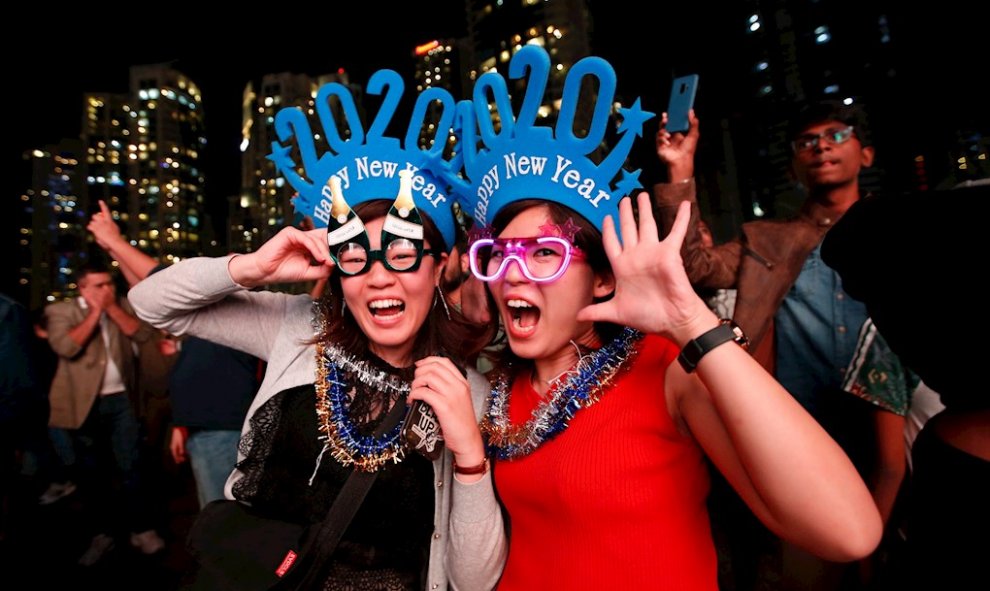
x: 387, y: 544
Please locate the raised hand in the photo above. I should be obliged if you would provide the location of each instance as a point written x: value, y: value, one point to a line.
x: 652, y: 291
x: 104, y: 229
x: 291, y: 255
x: 677, y: 150
x: 440, y: 384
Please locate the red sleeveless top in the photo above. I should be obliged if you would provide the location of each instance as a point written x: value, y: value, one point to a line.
x: 616, y: 501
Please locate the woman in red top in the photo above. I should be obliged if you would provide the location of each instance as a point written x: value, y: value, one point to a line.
x: 600, y: 437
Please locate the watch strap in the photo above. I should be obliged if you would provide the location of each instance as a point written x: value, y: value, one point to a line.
x: 479, y: 469
x: 696, y: 348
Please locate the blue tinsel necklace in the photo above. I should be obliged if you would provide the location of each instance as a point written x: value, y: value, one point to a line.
x: 343, y: 440
x: 578, y: 388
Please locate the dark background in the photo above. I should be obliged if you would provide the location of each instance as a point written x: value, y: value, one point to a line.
x: 942, y: 65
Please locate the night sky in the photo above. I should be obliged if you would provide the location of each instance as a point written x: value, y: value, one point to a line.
x: 49, y: 73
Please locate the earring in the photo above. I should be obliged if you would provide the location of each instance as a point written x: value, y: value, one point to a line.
x: 343, y: 306
x: 439, y: 292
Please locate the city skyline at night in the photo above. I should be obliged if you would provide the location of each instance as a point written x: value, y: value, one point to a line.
x: 936, y: 62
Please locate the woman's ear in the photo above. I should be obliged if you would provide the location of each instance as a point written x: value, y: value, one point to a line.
x: 604, y: 284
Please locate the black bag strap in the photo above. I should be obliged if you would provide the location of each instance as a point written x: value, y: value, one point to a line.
x: 323, y: 543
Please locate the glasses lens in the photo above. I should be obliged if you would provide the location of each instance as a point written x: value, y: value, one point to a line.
x: 352, y: 258
x: 805, y: 142
x: 487, y: 259
x: 401, y: 254
x: 839, y: 136
x: 544, y: 257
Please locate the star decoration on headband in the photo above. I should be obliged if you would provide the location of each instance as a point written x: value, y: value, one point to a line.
x: 435, y: 163
x: 629, y: 182
x: 568, y: 230
x: 633, y: 118
x: 280, y: 156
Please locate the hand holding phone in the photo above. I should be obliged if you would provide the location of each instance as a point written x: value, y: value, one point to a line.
x: 682, y: 94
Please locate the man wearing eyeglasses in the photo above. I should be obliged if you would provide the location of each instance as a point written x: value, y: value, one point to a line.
x: 801, y: 324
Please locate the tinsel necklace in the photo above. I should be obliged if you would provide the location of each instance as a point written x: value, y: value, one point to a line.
x: 342, y: 439
x: 578, y: 388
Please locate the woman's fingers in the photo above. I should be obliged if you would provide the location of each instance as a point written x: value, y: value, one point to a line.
x: 627, y: 223
x: 679, y: 229
x: 610, y: 242
x: 438, y: 373
x: 647, y: 226
x: 319, y: 238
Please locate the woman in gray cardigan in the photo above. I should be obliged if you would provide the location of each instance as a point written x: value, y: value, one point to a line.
x: 335, y: 367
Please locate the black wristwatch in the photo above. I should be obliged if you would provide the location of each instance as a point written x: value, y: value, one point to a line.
x: 697, y: 348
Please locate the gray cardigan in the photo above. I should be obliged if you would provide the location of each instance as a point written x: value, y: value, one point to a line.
x: 198, y: 297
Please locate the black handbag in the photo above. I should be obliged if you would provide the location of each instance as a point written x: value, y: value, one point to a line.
x: 239, y: 550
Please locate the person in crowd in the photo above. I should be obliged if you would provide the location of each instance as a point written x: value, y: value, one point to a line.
x: 600, y: 435
x: 892, y: 252
x: 456, y: 272
x: 93, y: 336
x: 721, y: 301
x: 51, y: 448
x: 19, y: 398
x: 898, y: 400
x: 210, y: 386
x: 383, y: 337
x: 801, y: 324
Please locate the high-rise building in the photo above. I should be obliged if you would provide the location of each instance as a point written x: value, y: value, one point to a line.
x: 498, y: 29
x: 166, y: 137
x: 140, y: 152
x: 441, y: 63
x: 105, y: 139
x: 264, y: 205
x: 52, y: 233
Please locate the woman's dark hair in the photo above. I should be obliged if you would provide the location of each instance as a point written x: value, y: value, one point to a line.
x: 456, y: 336
x: 588, y: 239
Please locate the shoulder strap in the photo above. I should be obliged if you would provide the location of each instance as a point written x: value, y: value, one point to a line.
x: 323, y: 543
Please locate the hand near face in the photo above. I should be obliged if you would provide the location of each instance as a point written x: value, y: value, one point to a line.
x: 106, y: 297
x: 98, y: 296
x: 290, y: 256
x: 652, y: 292
x: 92, y: 298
